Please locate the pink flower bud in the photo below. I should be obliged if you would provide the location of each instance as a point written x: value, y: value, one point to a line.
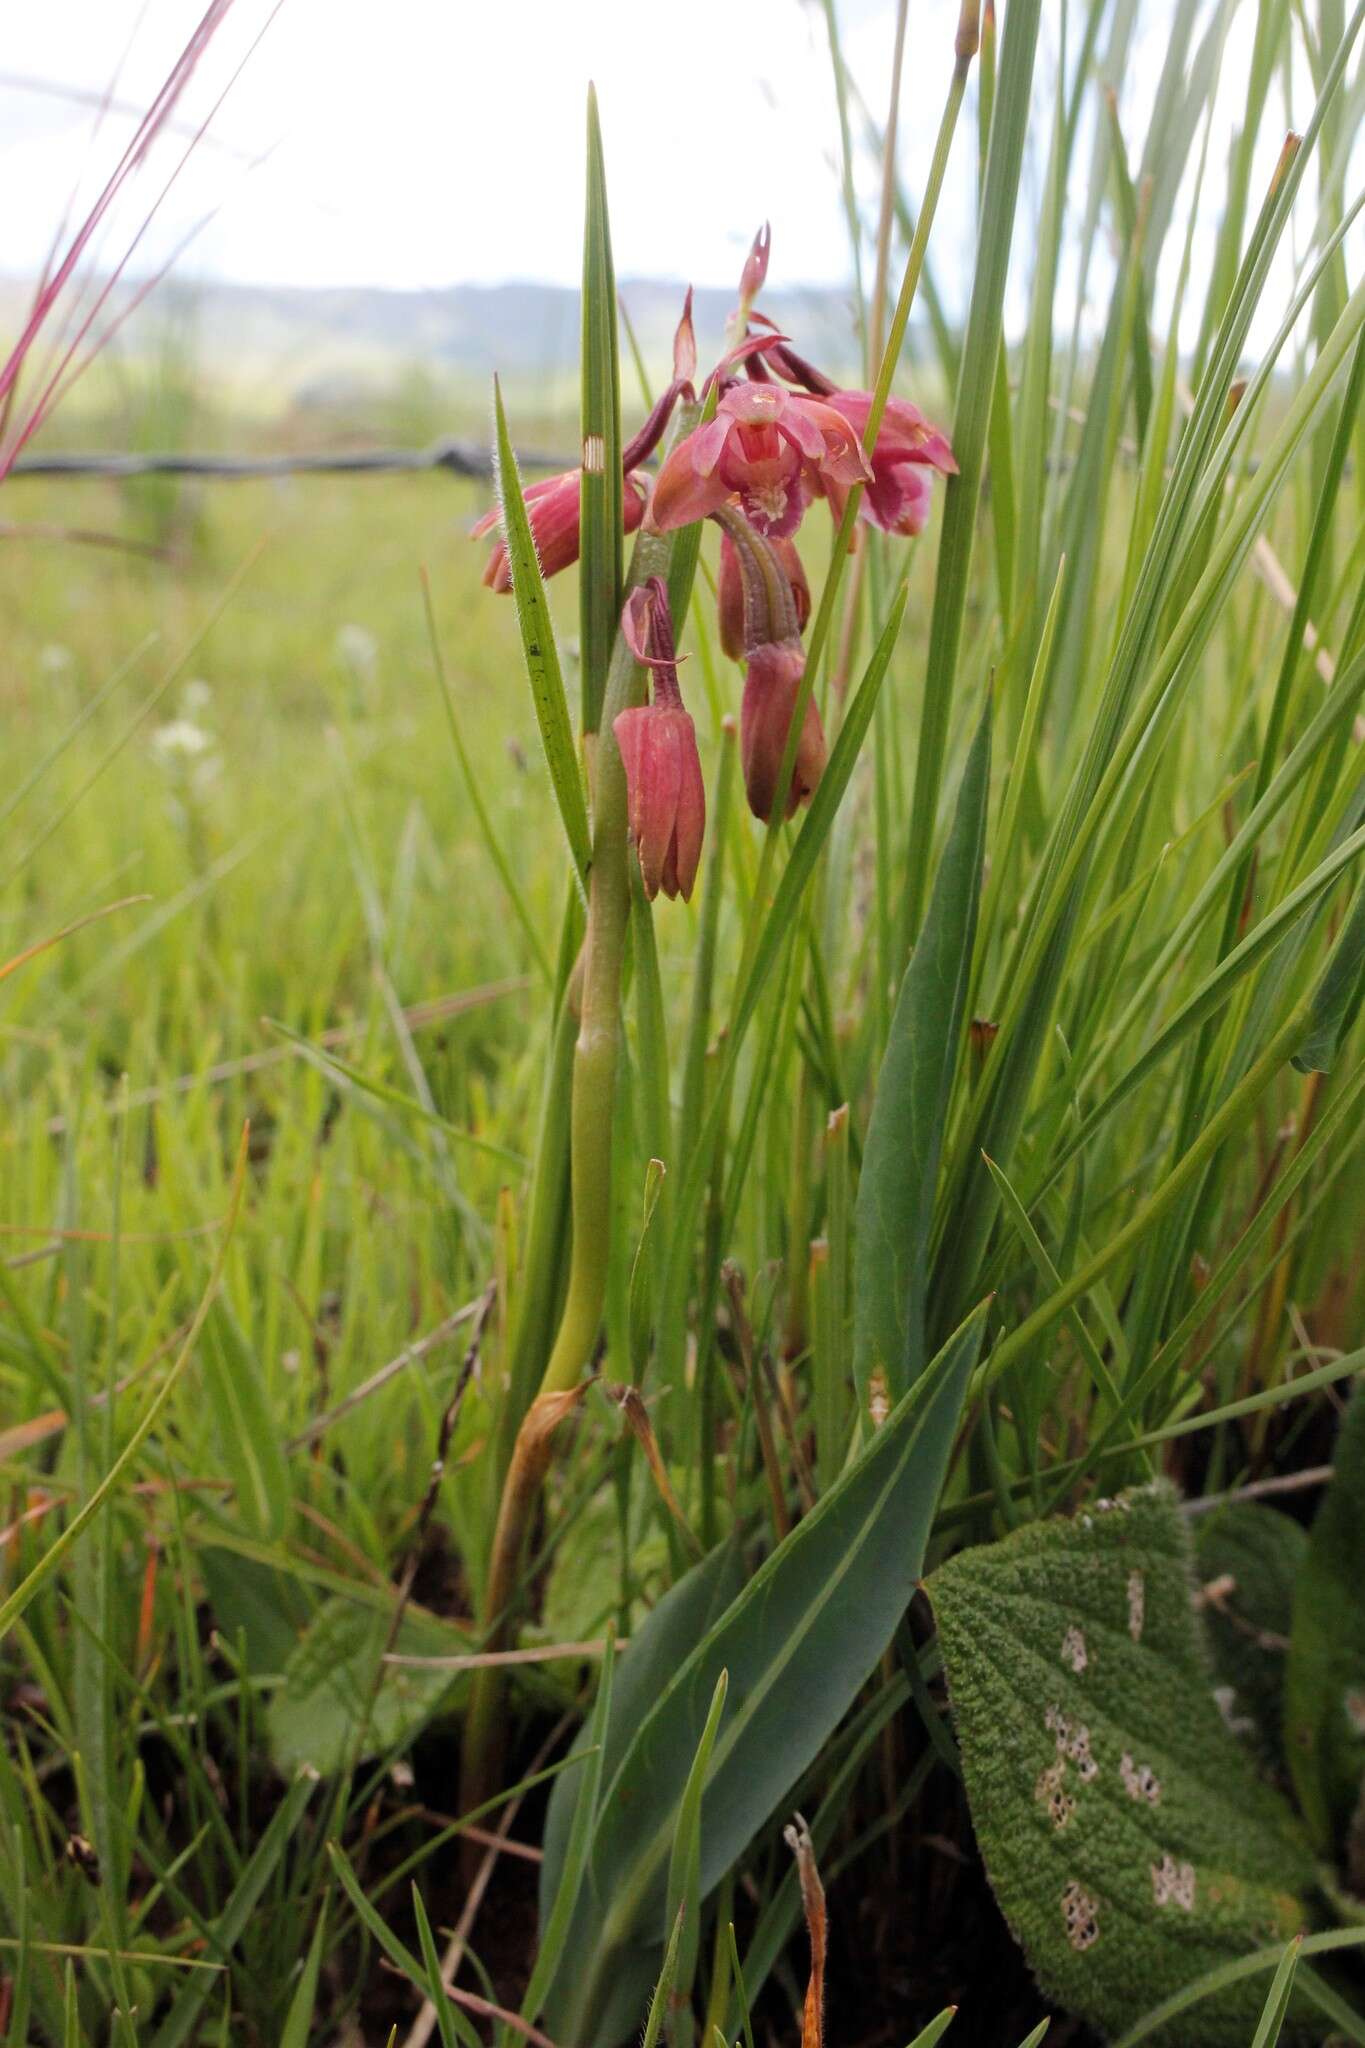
x: 770, y: 692
x: 685, y: 345
x: 665, y: 794
x: 552, y: 508
x: 754, y: 274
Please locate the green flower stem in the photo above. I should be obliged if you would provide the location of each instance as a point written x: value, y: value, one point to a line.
x: 593, y: 1090
x: 599, y: 1031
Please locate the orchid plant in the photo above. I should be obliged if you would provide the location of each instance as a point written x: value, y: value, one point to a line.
x: 767, y: 437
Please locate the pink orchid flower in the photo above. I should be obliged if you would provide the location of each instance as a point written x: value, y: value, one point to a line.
x: 770, y: 448
x: 909, y: 449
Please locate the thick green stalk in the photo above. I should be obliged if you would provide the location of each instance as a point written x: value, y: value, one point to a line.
x: 592, y: 1100
x: 599, y: 1030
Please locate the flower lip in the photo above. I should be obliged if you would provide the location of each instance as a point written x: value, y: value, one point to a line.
x: 770, y: 448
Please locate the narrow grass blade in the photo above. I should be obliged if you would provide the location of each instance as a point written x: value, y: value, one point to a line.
x: 600, y: 574
x: 985, y: 318
x: 684, y: 1864
x: 901, y: 1156
x: 540, y: 652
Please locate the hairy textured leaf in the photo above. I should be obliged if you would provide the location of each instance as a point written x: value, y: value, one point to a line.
x: 905, y: 1132
x: 315, y: 1717
x: 797, y: 1643
x: 1325, y: 1680
x: 1249, y: 1558
x: 1128, y: 1839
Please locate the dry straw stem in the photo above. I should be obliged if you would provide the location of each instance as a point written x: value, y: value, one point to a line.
x: 797, y: 1839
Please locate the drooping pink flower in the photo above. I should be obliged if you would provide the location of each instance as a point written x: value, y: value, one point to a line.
x: 771, y: 611
x: 770, y: 448
x: 552, y: 508
x: 665, y: 794
x: 765, y: 717
x: 909, y: 449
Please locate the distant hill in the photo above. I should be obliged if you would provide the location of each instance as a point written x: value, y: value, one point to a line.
x: 304, y: 343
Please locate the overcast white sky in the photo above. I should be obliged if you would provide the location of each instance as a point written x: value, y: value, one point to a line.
x: 420, y: 142
x: 417, y: 143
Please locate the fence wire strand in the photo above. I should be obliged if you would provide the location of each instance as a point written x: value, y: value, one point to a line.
x: 456, y: 458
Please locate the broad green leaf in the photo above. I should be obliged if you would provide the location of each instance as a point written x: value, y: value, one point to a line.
x: 667, y: 1635
x: 1249, y: 1557
x: 1325, y: 1679
x: 257, y: 1605
x: 583, y: 1589
x: 315, y: 1718
x: 797, y: 1643
x: 539, y: 650
x: 588, y: 1785
x: 1124, y: 1830
x: 1155, y: 2023
x: 895, y: 1203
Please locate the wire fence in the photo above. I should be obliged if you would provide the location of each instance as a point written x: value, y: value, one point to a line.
x: 454, y: 457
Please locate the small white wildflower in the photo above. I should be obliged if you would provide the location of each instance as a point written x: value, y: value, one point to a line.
x: 56, y: 660
x: 196, y: 696
x: 357, y: 645
x: 180, y: 737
